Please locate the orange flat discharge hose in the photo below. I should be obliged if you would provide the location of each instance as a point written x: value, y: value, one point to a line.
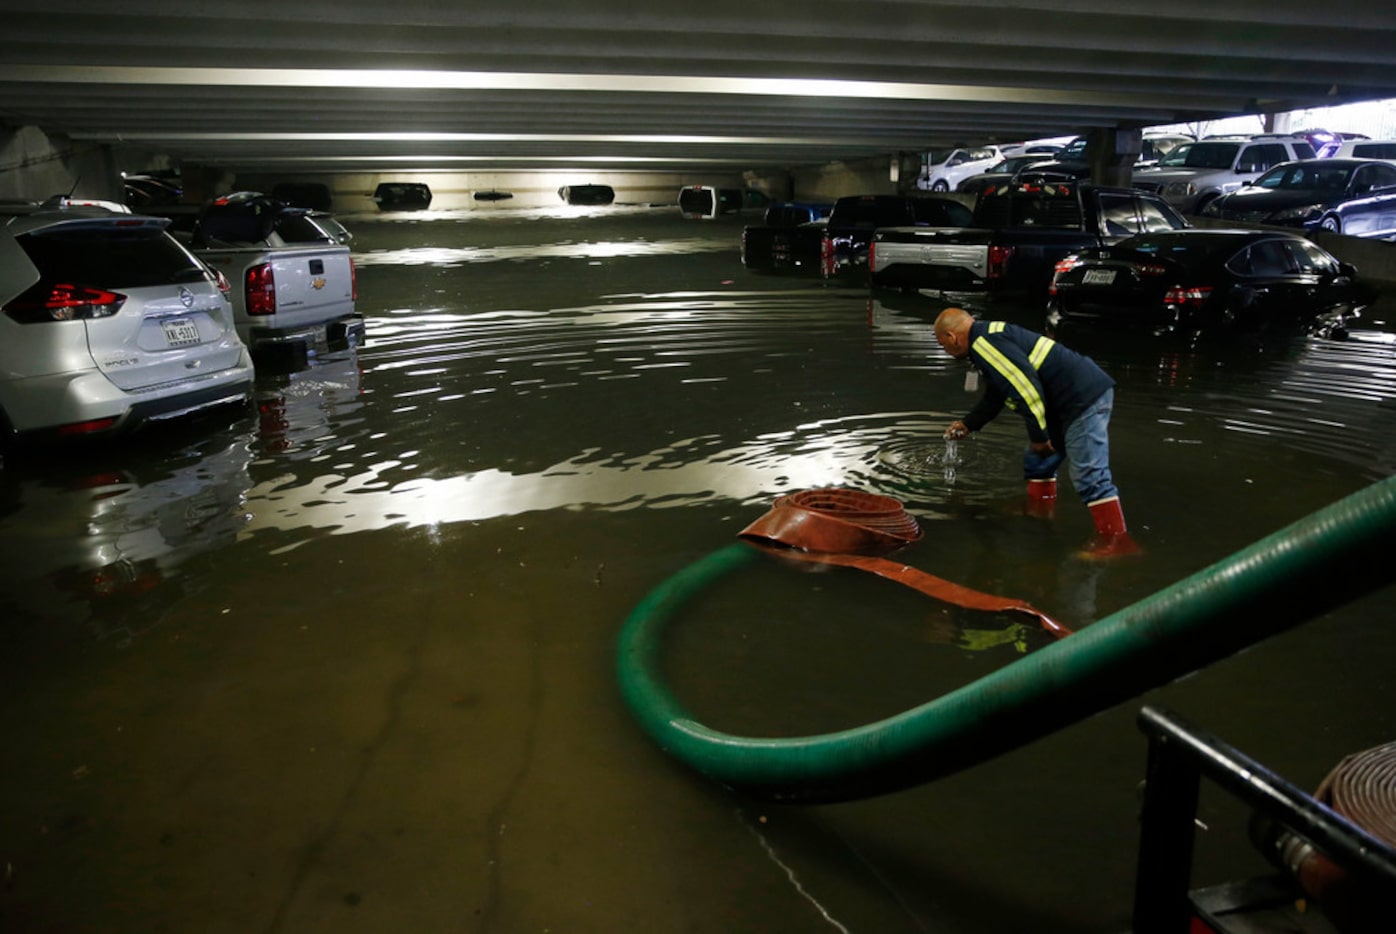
x: 937, y: 587
x: 851, y: 528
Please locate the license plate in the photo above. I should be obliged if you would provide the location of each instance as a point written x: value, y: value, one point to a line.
x: 180, y: 332
x: 1098, y: 277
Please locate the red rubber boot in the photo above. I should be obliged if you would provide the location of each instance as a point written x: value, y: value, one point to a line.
x: 1111, y: 537
x: 1042, y: 499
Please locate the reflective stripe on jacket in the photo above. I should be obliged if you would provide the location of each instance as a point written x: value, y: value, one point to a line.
x: 1047, y: 384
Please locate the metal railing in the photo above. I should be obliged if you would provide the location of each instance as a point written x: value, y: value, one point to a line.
x: 1179, y: 755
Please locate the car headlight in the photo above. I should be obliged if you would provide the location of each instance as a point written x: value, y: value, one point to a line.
x: 1304, y: 213
x: 1179, y: 189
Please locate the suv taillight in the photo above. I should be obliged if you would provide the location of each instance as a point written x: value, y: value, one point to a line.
x: 64, y: 302
x: 826, y: 256
x: 260, y: 290
x: 998, y: 261
x: 353, y: 281
x: 223, y: 284
x: 872, y: 256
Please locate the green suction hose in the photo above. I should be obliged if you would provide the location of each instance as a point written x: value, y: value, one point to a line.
x: 1321, y: 562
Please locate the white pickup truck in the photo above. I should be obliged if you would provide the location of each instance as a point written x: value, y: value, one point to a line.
x: 293, y: 283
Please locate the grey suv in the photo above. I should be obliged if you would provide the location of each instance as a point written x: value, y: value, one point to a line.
x: 1194, y: 174
x: 107, y: 322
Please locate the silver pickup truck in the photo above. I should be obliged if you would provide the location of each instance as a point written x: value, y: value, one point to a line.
x: 292, y: 278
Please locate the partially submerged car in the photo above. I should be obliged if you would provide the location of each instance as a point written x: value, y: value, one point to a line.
x: 1197, y: 279
x: 107, y: 323
x: 314, y: 195
x: 587, y: 194
x: 294, y: 278
x: 708, y: 201
x: 402, y: 196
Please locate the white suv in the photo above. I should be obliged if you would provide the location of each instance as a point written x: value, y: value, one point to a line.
x: 1194, y: 174
x: 944, y: 169
x: 107, y: 322
x: 1366, y: 149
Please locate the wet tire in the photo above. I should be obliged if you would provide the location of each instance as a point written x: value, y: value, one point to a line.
x: 1331, y: 225
x: 940, y: 185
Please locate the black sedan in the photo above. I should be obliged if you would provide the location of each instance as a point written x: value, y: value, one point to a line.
x: 1195, y: 279
x: 999, y: 173
x: 1356, y: 197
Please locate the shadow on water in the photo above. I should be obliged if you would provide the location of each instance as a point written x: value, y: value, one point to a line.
x: 343, y: 660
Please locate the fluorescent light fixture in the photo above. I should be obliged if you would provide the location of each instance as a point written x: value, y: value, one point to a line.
x: 541, y: 81
x: 644, y: 139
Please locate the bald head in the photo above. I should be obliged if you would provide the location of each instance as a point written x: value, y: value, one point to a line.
x: 952, y: 331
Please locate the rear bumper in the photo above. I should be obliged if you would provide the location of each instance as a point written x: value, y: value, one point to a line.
x: 281, y: 348
x: 43, y: 406
x: 1114, y: 317
x: 921, y: 276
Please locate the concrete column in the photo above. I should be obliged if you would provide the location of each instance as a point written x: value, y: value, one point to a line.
x: 1112, y: 154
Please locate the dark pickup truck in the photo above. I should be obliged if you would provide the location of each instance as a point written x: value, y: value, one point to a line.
x: 838, y: 245
x: 1019, y: 232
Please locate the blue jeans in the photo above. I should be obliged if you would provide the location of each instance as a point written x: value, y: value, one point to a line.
x: 1088, y: 451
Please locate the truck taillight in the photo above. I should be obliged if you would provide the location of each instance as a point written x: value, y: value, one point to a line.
x: 998, y: 261
x: 260, y: 290
x: 353, y: 280
x: 64, y: 302
x: 826, y: 256
x: 872, y: 256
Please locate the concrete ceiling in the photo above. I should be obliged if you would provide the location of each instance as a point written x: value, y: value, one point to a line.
x: 350, y: 85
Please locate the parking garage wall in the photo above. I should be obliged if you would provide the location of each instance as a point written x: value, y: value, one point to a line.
x: 35, y: 166
x: 353, y: 192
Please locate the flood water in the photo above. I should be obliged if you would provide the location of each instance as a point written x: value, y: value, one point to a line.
x: 347, y: 663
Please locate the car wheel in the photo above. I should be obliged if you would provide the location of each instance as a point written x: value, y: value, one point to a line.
x: 940, y: 185
x: 1331, y: 224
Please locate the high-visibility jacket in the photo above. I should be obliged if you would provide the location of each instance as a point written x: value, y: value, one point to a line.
x: 1047, y: 384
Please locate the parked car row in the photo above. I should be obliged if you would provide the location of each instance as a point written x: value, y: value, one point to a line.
x: 1097, y: 255
x: 1356, y: 197
x: 1067, y: 161
x: 109, y: 322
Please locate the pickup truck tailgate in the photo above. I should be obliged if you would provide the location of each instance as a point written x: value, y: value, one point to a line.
x: 288, y: 289
x: 932, y: 257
